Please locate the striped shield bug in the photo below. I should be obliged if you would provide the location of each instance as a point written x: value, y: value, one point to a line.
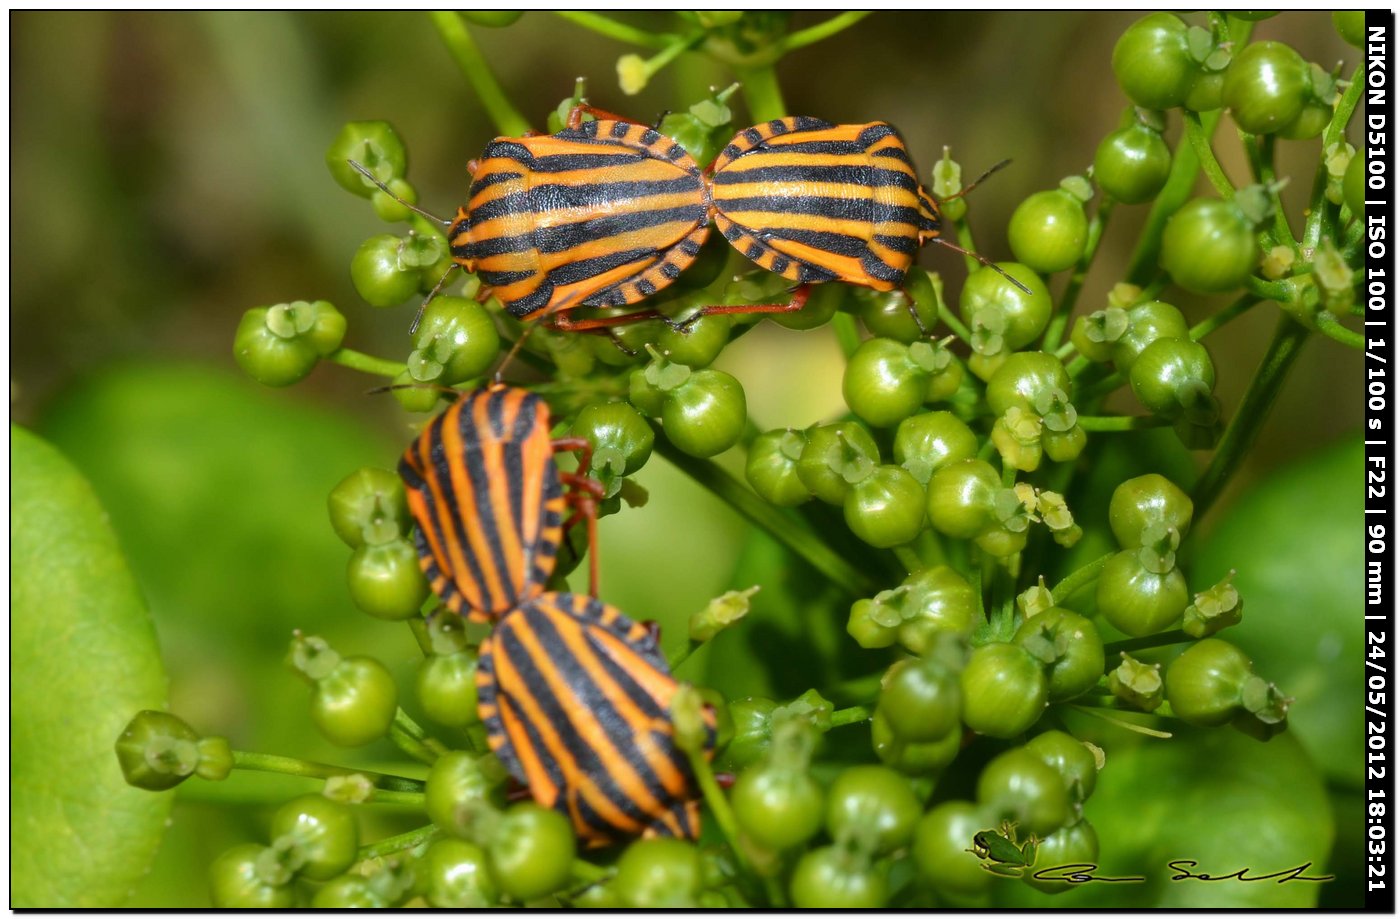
x: 576, y: 701
x: 816, y: 202
x: 489, y: 500
x: 604, y: 213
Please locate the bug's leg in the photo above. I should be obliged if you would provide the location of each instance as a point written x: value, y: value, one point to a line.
x: 800, y: 294
x: 580, y: 109
x: 586, y: 494
x: 656, y: 125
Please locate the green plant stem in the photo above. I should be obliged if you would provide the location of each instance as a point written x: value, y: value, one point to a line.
x: 1070, y: 297
x: 286, y: 765
x: 1277, y: 291
x: 1091, y: 706
x: 619, y: 31
x: 1173, y: 195
x: 1249, y: 417
x: 405, y: 798
x: 847, y: 335
x: 409, y: 737
x: 1121, y: 422
x: 365, y: 363
x: 821, y: 30
x: 778, y: 524
x: 1330, y: 326
x: 1241, y: 306
x: 1199, y: 139
x: 853, y: 715
x: 714, y: 797
x: 964, y: 233
x: 908, y: 558
x: 1077, y: 580
x: 1283, y: 233
x: 761, y: 91
x: 390, y: 845
x: 1108, y: 384
x: 464, y: 51
x: 1129, y: 645
x: 1333, y: 133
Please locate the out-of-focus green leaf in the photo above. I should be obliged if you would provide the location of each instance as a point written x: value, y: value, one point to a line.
x: 218, y: 489
x: 1296, y: 542
x: 83, y: 659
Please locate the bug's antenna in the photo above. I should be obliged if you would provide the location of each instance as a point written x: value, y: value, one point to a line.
x: 384, y: 188
x: 975, y: 182
x: 983, y: 259
x: 431, y: 294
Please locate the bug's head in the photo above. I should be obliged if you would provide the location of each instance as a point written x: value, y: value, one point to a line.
x: 930, y: 218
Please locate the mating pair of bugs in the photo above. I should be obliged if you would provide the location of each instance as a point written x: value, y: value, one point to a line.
x: 608, y: 212
x: 575, y: 697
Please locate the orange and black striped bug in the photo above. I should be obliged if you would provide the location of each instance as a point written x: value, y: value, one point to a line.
x: 817, y: 202
x: 489, y: 500
x: 604, y: 213
x: 576, y: 701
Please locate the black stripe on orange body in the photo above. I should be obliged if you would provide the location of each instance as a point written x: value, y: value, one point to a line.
x: 484, y: 490
x: 576, y: 701
x: 600, y: 215
x: 816, y: 202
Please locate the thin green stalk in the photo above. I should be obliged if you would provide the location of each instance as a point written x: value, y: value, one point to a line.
x: 847, y: 335
x: 405, y: 798
x: 798, y: 539
x: 464, y: 51
x: 365, y: 363
x: 1160, y: 640
x: 1111, y: 383
x: 1330, y: 326
x: 1180, y: 182
x: 388, y: 846
x: 1249, y: 417
x: 1070, y: 297
x: 1277, y: 291
x: 1089, y: 707
x: 286, y: 765
x: 908, y: 558
x: 409, y: 737
x: 714, y: 797
x: 853, y: 715
x: 1283, y: 233
x: 1241, y: 306
x: 1105, y: 423
x: 1199, y: 139
x: 761, y: 91
x: 965, y: 240
x: 1333, y: 133
x: 1079, y: 579
x: 821, y: 30
x: 620, y: 31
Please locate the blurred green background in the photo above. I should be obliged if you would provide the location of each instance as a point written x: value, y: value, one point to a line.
x: 168, y: 174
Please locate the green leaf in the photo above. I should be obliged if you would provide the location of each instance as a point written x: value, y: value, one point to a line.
x: 217, y: 489
x: 1295, y: 541
x: 83, y: 660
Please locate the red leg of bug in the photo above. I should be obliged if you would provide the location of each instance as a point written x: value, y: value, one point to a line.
x: 585, y: 496
x: 799, y: 300
x: 563, y: 323
x: 583, y: 108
